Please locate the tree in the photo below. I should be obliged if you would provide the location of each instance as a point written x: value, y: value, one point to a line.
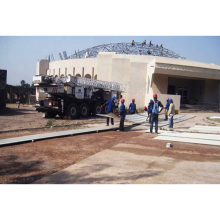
x: 23, y: 82
x: 26, y: 85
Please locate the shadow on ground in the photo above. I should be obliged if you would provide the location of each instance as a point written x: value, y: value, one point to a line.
x: 10, y: 167
x: 96, y: 174
x: 17, y: 111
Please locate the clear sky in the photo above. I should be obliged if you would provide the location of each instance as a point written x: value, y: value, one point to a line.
x: 19, y: 55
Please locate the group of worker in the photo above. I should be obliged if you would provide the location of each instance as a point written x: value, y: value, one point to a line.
x: 144, y: 43
x: 152, y: 109
x: 111, y: 109
x: 153, y: 112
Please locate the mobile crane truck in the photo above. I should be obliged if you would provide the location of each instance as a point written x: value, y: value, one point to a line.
x: 72, y: 97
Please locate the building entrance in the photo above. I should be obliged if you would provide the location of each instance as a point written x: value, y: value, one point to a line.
x: 184, y: 93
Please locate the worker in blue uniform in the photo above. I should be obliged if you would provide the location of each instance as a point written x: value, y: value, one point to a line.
x: 111, y: 109
x: 155, y: 113
x: 132, y: 107
x: 167, y: 109
x: 122, y: 115
x: 149, y: 109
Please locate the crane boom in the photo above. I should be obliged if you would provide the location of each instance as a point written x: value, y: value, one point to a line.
x: 78, y: 81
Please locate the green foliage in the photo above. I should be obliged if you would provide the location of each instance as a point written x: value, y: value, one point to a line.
x: 23, y: 82
x: 214, y: 119
x: 50, y: 122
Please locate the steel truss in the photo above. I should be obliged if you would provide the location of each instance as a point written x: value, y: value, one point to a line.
x: 124, y: 48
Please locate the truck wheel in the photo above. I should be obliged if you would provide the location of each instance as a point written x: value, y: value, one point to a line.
x: 104, y: 110
x: 60, y: 115
x: 50, y: 115
x: 72, y: 111
x: 97, y: 109
x: 84, y: 110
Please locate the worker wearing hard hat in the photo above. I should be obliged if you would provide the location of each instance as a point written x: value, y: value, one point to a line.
x: 122, y: 115
x: 110, y: 109
x: 150, y: 108
x: 171, y: 113
x: 132, y: 107
x: 167, y: 109
x: 155, y: 113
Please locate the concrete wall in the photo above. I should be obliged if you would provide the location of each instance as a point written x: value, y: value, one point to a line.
x: 176, y: 100
x: 42, y: 67
x: 159, y: 83
x: 211, y: 91
x: 73, y: 67
x: 137, y: 83
x: 104, y: 66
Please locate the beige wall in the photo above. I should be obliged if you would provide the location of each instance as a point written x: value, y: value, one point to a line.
x: 42, y: 67
x: 104, y: 67
x: 137, y: 83
x: 159, y: 83
x: 71, y: 66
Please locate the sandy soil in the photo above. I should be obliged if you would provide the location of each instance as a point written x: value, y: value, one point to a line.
x: 28, y: 117
x: 28, y: 162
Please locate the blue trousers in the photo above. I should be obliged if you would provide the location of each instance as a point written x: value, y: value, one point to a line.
x: 154, y: 118
x: 171, y: 122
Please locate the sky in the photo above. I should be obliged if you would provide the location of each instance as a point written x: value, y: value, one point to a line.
x: 19, y: 54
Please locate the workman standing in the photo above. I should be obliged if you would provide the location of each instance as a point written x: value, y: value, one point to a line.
x: 149, y: 109
x: 122, y: 115
x: 155, y: 113
x: 19, y: 101
x: 167, y: 109
x: 111, y: 109
x: 171, y: 113
x: 132, y: 107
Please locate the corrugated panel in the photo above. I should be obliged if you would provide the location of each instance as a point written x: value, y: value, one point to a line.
x: 188, y: 140
x: 35, y: 137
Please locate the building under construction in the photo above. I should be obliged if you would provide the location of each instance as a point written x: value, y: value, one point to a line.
x: 145, y: 69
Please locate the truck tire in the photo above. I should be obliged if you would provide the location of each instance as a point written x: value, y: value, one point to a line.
x: 97, y: 109
x: 104, y: 110
x: 84, y: 110
x: 50, y: 115
x: 72, y: 111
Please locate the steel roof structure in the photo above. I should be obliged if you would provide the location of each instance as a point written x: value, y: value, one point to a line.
x: 123, y: 48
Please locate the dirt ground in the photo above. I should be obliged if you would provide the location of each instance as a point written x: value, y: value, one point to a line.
x: 28, y: 117
x: 26, y: 163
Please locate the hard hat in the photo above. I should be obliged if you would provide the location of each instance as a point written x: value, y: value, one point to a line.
x: 122, y: 100
x: 154, y: 95
x: 113, y: 97
x: 151, y: 100
x: 133, y: 100
x: 145, y: 107
x: 170, y: 100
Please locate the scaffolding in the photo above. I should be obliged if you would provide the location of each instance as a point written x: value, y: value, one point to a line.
x: 126, y: 48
